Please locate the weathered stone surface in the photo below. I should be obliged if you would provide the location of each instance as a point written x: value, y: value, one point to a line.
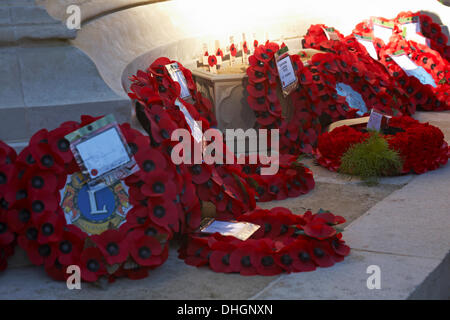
x: 348, y: 200
x: 412, y: 221
x: 30, y: 15
x: 66, y: 76
x: 10, y: 81
x: 173, y: 280
x: 114, y: 40
x: 400, y: 276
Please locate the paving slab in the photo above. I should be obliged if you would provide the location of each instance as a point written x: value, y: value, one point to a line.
x: 173, y: 280
x: 414, y: 220
x: 322, y: 174
x: 347, y: 200
x: 400, y: 276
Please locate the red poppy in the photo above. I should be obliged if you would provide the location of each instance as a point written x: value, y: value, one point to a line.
x: 71, y: 245
x: 6, y: 234
x: 241, y: 260
x: 245, y: 47
x: 321, y: 254
x: 50, y: 227
x: 92, y: 265
x: 212, y: 61
x: 163, y: 212
x: 146, y: 250
x: 219, y: 52
x: 233, y: 50
x: 112, y: 245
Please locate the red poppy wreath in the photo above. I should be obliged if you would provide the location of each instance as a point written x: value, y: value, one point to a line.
x: 285, y: 242
x: 421, y: 146
x: 156, y: 93
x: 298, y: 134
x: 7, y: 236
x: 335, y: 85
x: 55, y: 223
x: 229, y: 187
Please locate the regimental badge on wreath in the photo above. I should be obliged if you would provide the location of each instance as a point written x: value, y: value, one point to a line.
x: 94, y: 209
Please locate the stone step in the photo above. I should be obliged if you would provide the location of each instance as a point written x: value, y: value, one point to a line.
x: 24, y: 21
x: 45, y: 86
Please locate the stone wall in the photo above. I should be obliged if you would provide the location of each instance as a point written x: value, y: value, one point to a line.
x: 115, y: 32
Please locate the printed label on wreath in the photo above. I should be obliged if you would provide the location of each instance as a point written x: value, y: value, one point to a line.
x: 382, y: 30
x: 288, y: 78
x: 375, y: 121
x: 368, y: 44
x: 240, y: 230
x: 101, y: 151
x: 177, y: 75
x: 352, y: 97
x: 412, y: 69
x: 94, y: 209
x: 195, y: 128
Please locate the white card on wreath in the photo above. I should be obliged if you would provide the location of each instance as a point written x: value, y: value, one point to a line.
x: 103, y: 153
x: 413, y: 70
x: 286, y: 71
x: 240, y: 230
x: 195, y: 128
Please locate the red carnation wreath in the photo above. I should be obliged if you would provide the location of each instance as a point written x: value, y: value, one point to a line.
x: 285, y: 242
x: 421, y: 145
x: 7, y: 236
x: 134, y: 246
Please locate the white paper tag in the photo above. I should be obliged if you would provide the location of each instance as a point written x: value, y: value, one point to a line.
x: 195, y: 128
x: 418, y: 38
x: 369, y: 47
x: 177, y: 75
x: 413, y: 70
x: 240, y: 230
x: 219, y: 60
x: 286, y: 71
x: 375, y: 121
x: 381, y: 32
x: 352, y: 97
x: 103, y: 153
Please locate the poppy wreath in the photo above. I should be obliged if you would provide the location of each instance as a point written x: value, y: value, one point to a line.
x: 424, y: 96
x: 420, y: 145
x: 7, y: 236
x: 299, y: 134
x: 157, y: 197
x: 227, y: 186
x: 347, y: 64
x: 285, y: 242
x: 430, y: 30
x: 156, y: 83
x: 316, y: 37
x: 292, y: 180
x: 219, y: 184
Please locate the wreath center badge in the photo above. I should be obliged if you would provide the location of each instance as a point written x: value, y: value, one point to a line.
x: 96, y: 199
x: 94, y: 210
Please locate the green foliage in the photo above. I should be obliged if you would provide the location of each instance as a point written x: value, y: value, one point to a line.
x: 371, y: 159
